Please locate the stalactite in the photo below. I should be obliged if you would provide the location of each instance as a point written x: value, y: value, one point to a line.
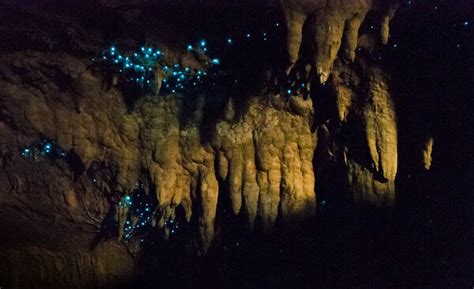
x: 334, y: 22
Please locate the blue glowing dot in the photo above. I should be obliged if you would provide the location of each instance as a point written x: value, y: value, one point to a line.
x: 289, y: 91
x: 202, y: 43
x: 190, y: 47
x: 229, y: 40
x: 143, y: 48
x: 150, y: 50
x: 248, y: 35
x: 26, y: 152
x: 112, y: 48
x: 216, y: 61
x: 466, y: 23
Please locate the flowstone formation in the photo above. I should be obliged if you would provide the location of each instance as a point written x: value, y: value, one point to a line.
x: 171, y: 156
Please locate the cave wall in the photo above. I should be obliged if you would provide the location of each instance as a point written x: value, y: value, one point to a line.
x: 265, y: 155
x: 261, y: 155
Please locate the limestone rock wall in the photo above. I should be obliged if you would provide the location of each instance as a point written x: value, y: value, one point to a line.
x: 265, y: 155
x: 259, y: 154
